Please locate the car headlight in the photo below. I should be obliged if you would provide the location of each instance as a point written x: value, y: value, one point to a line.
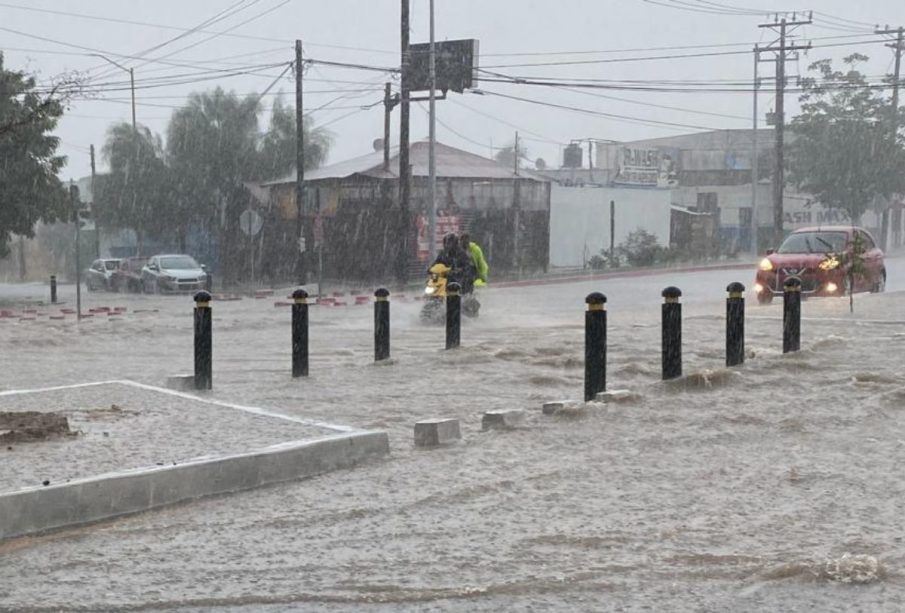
x: 170, y: 279
x: 429, y: 290
x: 766, y: 265
x: 830, y: 263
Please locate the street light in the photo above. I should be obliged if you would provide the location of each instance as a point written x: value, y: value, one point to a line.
x: 131, y: 81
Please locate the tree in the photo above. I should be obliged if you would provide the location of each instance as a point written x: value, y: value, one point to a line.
x: 214, y: 146
x: 278, y: 153
x: 844, y: 152
x: 29, y: 188
x: 506, y: 155
x: 138, y: 193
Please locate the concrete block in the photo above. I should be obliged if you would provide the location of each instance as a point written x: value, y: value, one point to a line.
x: 512, y: 418
x: 616, y: 396
x: 433, y: 432
x: 550, y: 408
x: 181, y: 383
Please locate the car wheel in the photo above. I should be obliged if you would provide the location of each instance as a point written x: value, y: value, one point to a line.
x: 765, y: 298
x: 880, y: 286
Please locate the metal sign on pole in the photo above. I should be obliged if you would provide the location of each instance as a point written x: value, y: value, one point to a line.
x: 250, y: 222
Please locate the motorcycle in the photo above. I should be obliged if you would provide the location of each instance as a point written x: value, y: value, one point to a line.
x: 434, y: 309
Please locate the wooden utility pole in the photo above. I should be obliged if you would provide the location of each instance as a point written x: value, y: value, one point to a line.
x: 432, y: 142
x: 893, y: 113
x: 301, y: 263
x: 405, y: 169
x: 782, y: 27
x: 97, y: 227
x: 387, y: 113
x: 755, y: 171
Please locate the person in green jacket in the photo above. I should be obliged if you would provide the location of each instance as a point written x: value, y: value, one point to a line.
x: 477, y: 258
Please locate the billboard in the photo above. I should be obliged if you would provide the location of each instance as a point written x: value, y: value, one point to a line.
x: 455, y: 63
x: 637, y: 167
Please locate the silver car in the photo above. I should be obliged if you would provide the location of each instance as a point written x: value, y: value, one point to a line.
x: 99, y: 274
x: 173, y: 273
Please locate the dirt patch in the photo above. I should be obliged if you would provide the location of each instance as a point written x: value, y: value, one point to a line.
x: 31, y: 426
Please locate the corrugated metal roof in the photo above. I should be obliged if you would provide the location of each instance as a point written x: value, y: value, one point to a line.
x: 451, y: 163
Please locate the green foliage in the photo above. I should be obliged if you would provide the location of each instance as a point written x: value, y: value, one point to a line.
x: 640, y: 248
x: 214, y: 145
x: 845, y: 151
x: 139, y: 192
x: 854, y: 264
x: 29, y: 188
x: 278, y: 145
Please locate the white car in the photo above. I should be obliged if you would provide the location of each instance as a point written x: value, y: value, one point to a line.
x: 174, y: 273
x: 99, y: 273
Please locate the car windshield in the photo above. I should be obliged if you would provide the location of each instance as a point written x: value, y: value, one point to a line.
x: 179, y: 262
x: 814, y: 242
x: 111, y: 264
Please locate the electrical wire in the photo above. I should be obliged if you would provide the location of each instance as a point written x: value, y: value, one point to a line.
x: 224, y: 14
x: 538, y: 137
x: 218, y: 34
x: 613, y: 116
x: 187, y: 30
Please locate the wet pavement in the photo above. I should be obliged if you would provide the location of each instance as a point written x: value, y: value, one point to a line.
x: 774, y: 486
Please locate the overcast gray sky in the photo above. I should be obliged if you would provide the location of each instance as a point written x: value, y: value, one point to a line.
x: 262, y: 32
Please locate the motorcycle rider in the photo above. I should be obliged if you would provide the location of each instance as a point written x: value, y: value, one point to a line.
x: 462, y: 270
x: 477, y: 258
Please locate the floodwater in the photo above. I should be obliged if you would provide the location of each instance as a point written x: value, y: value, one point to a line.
x: 774, y: 486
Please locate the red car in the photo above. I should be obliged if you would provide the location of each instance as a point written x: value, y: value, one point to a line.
x: 818, y: 257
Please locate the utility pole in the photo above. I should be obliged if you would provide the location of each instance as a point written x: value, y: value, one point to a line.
x: 132, y: 83
x: 74, y: 204
x: 97, y: 228
x: 387, y: 110
x: 515, y: 155
x: 782, y: 26
x: 754, y: 161
x: 432, y: 144
x: 893, y: 111
x: 405, y: 169
x: 301, y: 264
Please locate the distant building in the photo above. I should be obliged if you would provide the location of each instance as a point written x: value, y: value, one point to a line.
x: 706, y: 178
x: 354, y: 209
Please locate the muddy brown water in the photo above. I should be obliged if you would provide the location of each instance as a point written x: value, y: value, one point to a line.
x: 776, y: 486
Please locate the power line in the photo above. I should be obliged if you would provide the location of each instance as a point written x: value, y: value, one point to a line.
x: 614, y: 116
x: 192, y: 30
x: 225, y: 13
x: 218, y: 34
x: 539, y: 137
x: 659, y: 106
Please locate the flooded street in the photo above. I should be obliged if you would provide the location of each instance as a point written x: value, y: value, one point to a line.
x: 770, y: 487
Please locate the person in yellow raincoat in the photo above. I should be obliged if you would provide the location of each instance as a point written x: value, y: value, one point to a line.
x: 477, y: 258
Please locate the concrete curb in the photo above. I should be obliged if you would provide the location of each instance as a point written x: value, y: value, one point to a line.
x: 40, y: 509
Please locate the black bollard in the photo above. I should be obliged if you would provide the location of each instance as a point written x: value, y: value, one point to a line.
x: 53, y: 289
x: 300, y: 333
x: 381, y: 324
x: 203, y: 341
x: 594, y: 346
x: 791, y: 315
x: 672, y: 333
x: 453, y: 315
x: 735, y: 324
